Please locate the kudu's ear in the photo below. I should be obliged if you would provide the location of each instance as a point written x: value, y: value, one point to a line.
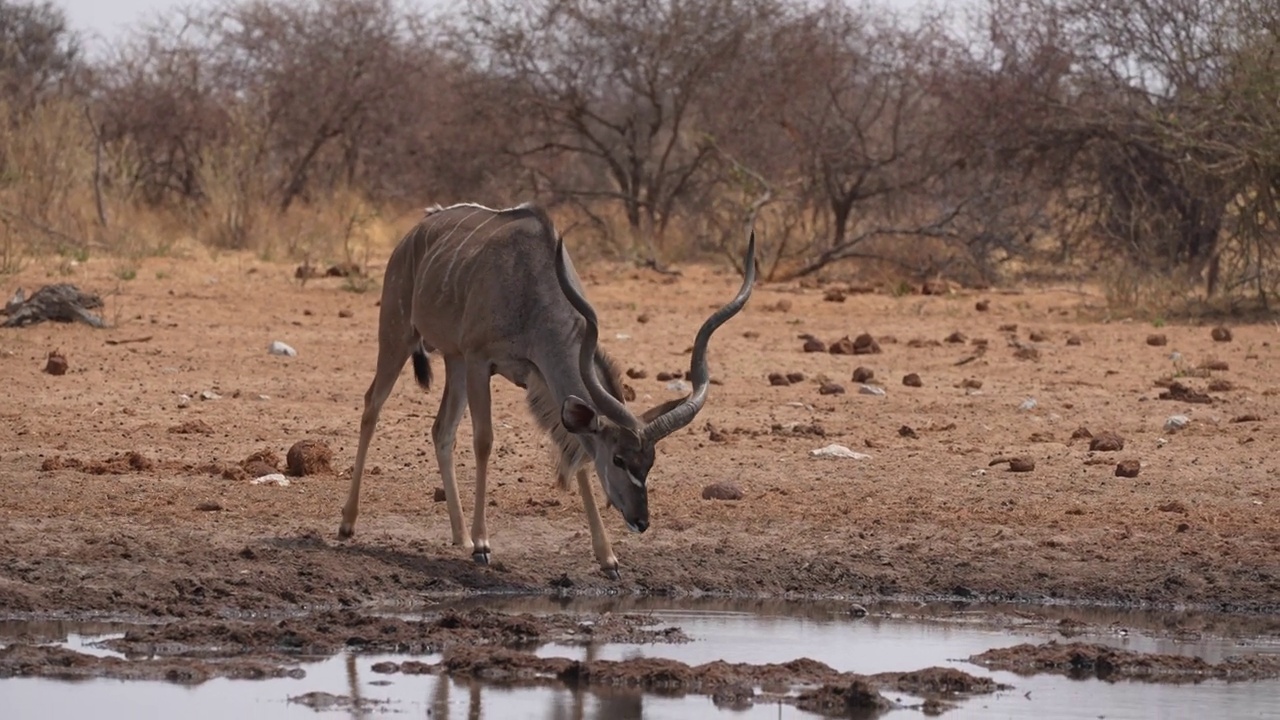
x: 578, y: 417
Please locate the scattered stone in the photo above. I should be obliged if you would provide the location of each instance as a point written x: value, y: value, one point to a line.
x: 209, y: 506
x: 834, y: 295
x: 1016, y: 464
x: 272, y: 479
x: 1157, y: 340
x: 1221, y: 334
x: 344, y: 269
x: 874, y: 390
x: 309, y: 457
x: 629, y: 393
x: 843, y: 346
x: 935, y: 287
x: 1028, y: 405
x: 777, y: 379
x: 1106, y: 441
x: 830, y: 388
x: 814, y: 345
x: 971, y: 384
x: 1038, y: 336
x: 1008, y: 328
x: 643, y: 318
x: 982, y: 305
x: 637, y: 373
x: 956, y: 337
x: 1248, y: 417
x: 1074, y: 340
x: 209, y: 395
x: 1174, y: 423
x: 722, y: 491
x: 795, y: 377
x: 1215, y: 365
x: 438, y: 495
x: 1221, y: 385
x: 184, y: 400
x: 863, y: 374
x: 907, y: 431
x: 1128, y: 468
x: 1173, y: 506
x: 56, y: 364
x: 864, y: 344
x: 345, y: 313
x: 912, y: 380
x: 279, y: 348
x: 1081, y: 433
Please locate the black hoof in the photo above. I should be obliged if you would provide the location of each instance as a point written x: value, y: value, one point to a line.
x: 345, y: 533
x: 481, y: 557
x: 612, y: 574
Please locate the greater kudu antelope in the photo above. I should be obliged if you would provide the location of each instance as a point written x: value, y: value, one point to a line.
x: 475, y: 285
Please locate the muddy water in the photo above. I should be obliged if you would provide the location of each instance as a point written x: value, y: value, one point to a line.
x: 891, y: 638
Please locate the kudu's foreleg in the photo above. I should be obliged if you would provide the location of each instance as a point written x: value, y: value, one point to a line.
x: 391, y: 360
x: 478, y: 400
x: 599, y: 538
x: 443, y: 433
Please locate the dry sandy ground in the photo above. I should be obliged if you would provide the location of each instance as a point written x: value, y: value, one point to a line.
x: 924, y: 516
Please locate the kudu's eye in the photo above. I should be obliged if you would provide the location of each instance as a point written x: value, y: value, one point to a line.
x: 618, y: 462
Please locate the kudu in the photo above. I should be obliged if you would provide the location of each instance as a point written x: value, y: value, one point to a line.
x: 474, y: 285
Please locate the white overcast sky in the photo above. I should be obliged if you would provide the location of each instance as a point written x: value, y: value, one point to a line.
x: 99, y: 20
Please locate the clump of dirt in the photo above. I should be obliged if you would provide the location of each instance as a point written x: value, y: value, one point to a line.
x: 56, y: 364
x: 309, y: 457
x: 814, y: 345
x: 1157, y: 340
x: 956, y: 337
x: 1089, y: 660
x: 1221, y: 334
x: 912, y: 380
x: 941, y: 681
x: 1128, y: 468
x: 856, y: 698
x: 1105, y: 441
x: 864, y: 344
x: 722, y: 491
x: 120, y: 464
x: 830, y: 388
x: 192, y: 427
x: 863, y: 374
x: 843, y: 346
x: 22, y: 660
x: 1016, y: 464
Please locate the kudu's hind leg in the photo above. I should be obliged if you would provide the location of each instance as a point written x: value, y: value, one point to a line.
x: 478, y: 400
x: 599, y: 538
x: 443, y: 433
x: 391, y: 360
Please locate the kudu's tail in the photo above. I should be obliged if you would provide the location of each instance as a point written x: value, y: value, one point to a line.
x: 422, y: 366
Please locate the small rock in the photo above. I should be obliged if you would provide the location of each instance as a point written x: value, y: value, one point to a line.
x: 1028, y: 404
x: 956, y: 337
x: 857, y: 610
x: 1128, y: 468
x: 1074, y: 340
x: 309, y: 457
x: 1221, y: 385
x: 1157, y: 340
x: 1221, y: 334
x: 971, y: 384
x: 643, y: 318
x: 831, y: 388
x: 838, y: 451
x: 279, y: 348
x: 843, y: 346
x: 628, y: 393
x: 912, y: 380
x: 722, y: 491
x: 834, y: 295
x: 1021, y: 464
x: 1247, y: 417
x: 1215, y: 365
x: 665, y: 376
x: 982, y: 305
x: 1008, y: 328
x: 209, y: 506
x: 862, y: 374
x: 795, y: 377
x: 637, y: 373
x: 934, y: 287
x: 1081, y: 433
x: 875, y: 390
x: 907, y: 431
x: 1026, y: 352
x: 1038, y: 336
x: 1106, y: 442
x: 439, y: 495
x: 814, y: 345
x: 777, y: 379
x: 56, y: 364
x: 1174, y: 423
x: 272, y: 479
x: 344, y: 313
x: 209, y: 395
x: 864, y: 344
x: 184, y: 400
